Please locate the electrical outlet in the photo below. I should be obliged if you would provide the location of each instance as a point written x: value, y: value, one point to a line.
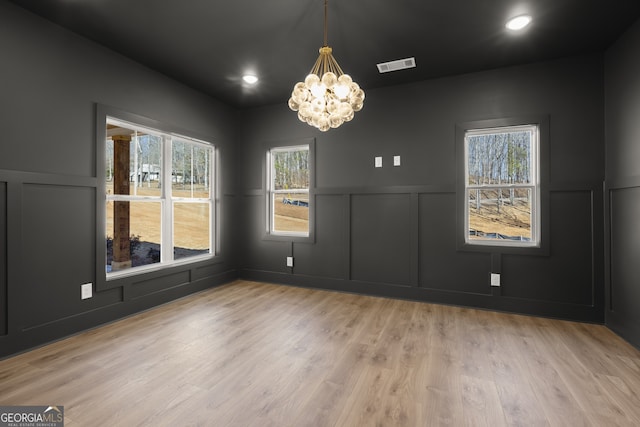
x: 378, y: 162
x: 289, y: 261
x: 396, y: 160
x: 86, y: 291
x: 495, y: 279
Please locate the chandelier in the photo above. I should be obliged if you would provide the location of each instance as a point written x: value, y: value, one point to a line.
x: 327, y: 97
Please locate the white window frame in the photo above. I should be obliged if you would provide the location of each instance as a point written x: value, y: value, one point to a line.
x: 533, y: 186
x: 167, y: 201
x: 271, y: 191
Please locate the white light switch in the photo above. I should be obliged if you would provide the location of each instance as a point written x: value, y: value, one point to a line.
x: 378, y: 162
x: 289, y: 261
x: 396, y: 160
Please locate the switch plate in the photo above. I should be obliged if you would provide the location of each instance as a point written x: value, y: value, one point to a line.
x: 495, y: 279
x: 86, y: 291
x: 378, y: 162
x: 396, y: 160
x: 289, y: 261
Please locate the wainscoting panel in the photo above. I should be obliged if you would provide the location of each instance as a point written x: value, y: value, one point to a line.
x: 442, y: 266
x: 57, y: 235
x: 159, y: 284
x: 566, y: 276
x: 328, y: 255
x: 261, y: 254
x: 3, y: 259
x: 381, y: 238
x: 624, y: 210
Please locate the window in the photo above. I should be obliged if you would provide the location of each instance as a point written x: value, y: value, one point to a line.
x: 288, y: 183
x: 159, y: 198
x: 502, y: 186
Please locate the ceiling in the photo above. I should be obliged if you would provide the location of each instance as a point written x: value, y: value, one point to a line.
x: 208, y: 44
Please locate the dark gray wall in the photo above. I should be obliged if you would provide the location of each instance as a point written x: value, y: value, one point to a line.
x: 392, y: 231
x: 389, y: 231
x: 52, y: 81
x: 622, y: 207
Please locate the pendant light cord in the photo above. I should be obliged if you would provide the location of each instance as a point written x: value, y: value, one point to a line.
x: 325, y: 22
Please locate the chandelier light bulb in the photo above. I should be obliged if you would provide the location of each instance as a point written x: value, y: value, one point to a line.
x: 329, y: 79
x: 311, y: 80
x: 341, y: 91
x: 318, y: 90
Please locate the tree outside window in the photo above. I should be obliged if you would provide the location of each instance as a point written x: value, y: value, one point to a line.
x: 288, y: 190
x: 502, y: 186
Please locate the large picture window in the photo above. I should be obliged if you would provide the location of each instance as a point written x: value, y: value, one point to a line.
x: 288, y: 182
x: 159, y: 198
x: 502, y: 186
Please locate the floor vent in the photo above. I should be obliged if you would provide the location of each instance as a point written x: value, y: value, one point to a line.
x: 400, y: 64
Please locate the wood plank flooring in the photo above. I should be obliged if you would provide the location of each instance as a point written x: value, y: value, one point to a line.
x: 254, y: 354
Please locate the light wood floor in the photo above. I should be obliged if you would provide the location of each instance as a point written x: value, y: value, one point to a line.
x: 252, y: 354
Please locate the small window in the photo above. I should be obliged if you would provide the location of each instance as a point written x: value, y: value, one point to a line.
x: 502, y: 194
x: 159, y: 198
x: 288, y: 183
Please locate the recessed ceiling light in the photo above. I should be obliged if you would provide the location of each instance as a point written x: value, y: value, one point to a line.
x: 249, y: 78
x: 519, y: 22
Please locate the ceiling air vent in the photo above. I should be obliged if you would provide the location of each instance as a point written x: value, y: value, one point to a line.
x: 400, y: 64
